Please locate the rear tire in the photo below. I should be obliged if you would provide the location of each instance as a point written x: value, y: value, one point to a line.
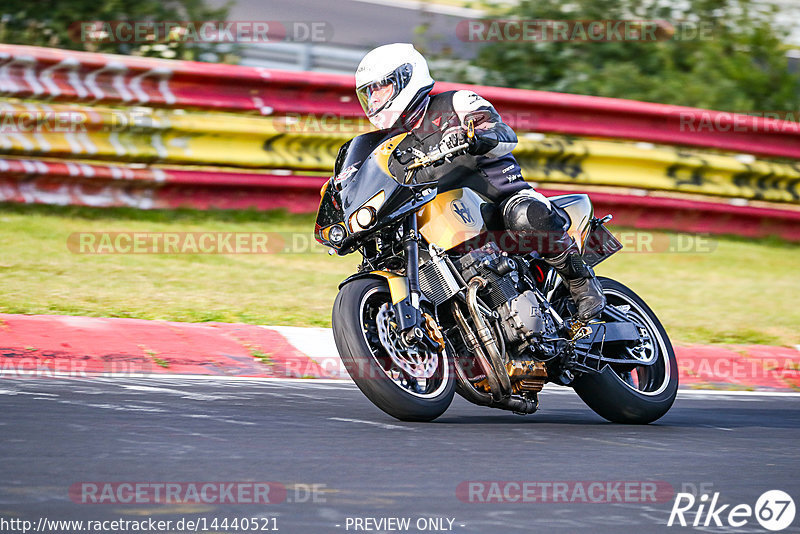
x: 370, y: 366
x: 644, y: 394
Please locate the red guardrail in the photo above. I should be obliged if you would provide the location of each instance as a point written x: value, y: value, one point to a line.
x: 35, y: 181
x: 45, y: 73
x: 53, y: 182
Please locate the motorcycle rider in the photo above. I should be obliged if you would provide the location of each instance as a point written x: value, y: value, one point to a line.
x: 393, y: 86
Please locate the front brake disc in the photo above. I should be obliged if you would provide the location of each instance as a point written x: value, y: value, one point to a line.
x: 418, y: 364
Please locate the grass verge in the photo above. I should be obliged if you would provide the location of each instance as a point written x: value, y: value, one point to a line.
x: 732, y: 290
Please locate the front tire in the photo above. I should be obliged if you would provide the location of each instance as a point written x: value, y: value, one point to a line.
x: 638, y: 395
x: 355, y: 331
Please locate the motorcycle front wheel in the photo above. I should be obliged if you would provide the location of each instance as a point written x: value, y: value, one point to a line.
x: 408, y: 384
x: 634, y: 394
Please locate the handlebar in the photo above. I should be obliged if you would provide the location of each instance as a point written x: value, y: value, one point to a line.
x: 435, y: 155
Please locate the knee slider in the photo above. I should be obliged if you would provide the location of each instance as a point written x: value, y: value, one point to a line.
x: 530, y: 214
x: 515, y: 215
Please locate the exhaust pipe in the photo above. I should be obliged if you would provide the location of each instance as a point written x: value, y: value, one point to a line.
x: 497, y: 398
x: 475, y: 346
x: 485, y: 334
x: 514, y: 404
x: 473, y: 395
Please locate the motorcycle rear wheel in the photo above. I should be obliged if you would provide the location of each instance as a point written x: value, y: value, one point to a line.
x: 634, y: 394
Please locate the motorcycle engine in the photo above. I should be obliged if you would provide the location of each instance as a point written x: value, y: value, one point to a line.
x: 521, y: 317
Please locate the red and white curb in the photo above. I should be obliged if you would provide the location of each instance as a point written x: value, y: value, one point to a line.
x: 56, y: 345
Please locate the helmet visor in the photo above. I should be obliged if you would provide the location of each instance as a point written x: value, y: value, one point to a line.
x: 377, y: 95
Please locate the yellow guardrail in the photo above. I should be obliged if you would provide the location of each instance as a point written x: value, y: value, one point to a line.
x: 647, y: 166
x: 145, y: 135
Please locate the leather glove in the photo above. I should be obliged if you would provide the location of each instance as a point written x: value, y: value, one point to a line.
x: 453, y: 137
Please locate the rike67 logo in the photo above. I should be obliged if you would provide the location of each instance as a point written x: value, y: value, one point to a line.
x: 774, y: 510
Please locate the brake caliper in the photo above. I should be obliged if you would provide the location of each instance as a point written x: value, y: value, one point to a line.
x: 434, y: 331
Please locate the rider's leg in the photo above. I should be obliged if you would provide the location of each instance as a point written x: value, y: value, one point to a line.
x: 529, y: 212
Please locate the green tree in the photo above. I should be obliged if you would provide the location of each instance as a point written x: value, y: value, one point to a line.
x: 737, y: 62
x: 55, y: 23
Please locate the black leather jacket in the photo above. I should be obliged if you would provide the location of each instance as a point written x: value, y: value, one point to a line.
x: 492, y: 171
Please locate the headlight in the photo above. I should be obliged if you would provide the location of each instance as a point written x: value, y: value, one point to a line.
x: 367, y: 214
x: 365, y: 217
x: 336, y: 234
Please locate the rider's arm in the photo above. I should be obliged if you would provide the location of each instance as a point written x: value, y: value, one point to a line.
x: 493, y: 137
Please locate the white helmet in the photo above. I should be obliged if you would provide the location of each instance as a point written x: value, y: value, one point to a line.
x: 393, y: 84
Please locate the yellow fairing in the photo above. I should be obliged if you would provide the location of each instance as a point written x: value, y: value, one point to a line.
x: 382, y: 153
x: 452, y: 218
x: 398, y: 285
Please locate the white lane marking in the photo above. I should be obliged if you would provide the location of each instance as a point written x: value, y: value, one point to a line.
x: 722, y: 393
x: 718, y: 427
x: 18, y: 392
x: 320, y: 383
x: 220, y: 419
x: 139, y: 408
x: 184, y: 394
x: 373, y: 423
x: 108, y: 406
x: 326, y: 383
x: 345, y: 382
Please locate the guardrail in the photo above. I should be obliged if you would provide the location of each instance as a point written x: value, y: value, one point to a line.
x: 82, y: 184
x: 66, y: 75
x: 149, y: 136
x: 149, y: 133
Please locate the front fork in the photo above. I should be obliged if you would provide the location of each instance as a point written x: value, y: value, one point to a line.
x: 411, y: 248
x: 410, y: 319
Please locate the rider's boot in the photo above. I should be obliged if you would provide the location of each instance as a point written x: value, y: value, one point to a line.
x: 529, y: 213
x: 580, y: 279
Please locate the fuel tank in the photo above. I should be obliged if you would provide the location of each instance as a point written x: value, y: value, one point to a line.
x: 457, y: 216
x: 452, y: 218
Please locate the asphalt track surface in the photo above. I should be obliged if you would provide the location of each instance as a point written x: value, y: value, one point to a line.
x: 57, y: 432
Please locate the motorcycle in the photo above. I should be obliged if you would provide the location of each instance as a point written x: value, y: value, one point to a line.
x: 444, y: 301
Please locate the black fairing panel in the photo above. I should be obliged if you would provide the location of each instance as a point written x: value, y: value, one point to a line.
x: 360, y: 177
x: 359, y: 148
x: 330, y: 208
